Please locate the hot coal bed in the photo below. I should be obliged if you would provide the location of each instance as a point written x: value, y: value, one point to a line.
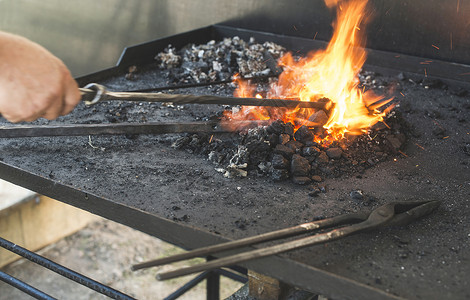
x: 238, y: 184
x: 277, y: 151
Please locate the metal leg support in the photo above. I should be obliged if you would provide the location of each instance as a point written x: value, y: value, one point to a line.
x: 212, y: 283
x: 213, y: 286
x: 63, y: 271
x: 24, y: 287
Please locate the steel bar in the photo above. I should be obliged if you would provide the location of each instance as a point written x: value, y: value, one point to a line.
x: 105, y: 129
x: 59, y: 269
x: 121, y: 128
x: 24, y: 287
x: 93, y: 93
x: 274, y: 235
x: 259, y: 253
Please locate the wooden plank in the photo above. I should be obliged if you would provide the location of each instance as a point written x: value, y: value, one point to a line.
x: 39, y: 222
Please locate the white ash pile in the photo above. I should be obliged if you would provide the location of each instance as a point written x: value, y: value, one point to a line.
x: 282, y: 154
x: 218, y: 61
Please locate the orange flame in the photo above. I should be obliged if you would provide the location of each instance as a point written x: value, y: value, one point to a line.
x: 331, y: 73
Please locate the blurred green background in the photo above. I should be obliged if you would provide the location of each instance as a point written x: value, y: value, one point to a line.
x: 90, y: 35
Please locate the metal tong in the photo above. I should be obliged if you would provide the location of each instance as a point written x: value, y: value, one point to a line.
x: 391, y: 214
x: 93, y: 93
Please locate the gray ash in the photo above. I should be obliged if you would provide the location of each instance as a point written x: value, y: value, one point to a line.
x: 216, y: 61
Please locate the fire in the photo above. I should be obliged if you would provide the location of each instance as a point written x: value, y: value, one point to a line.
x: 331, y: 73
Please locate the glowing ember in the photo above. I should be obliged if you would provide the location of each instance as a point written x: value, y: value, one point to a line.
x: 331, y: 73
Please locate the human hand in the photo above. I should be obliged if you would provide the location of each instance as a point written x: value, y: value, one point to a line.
x: 33, y: 82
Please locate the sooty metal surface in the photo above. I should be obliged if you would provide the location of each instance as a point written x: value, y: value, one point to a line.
x: 142, y: 182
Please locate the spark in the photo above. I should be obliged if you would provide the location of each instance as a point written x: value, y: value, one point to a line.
x: 446, y: 137
x: 357, y: 28
x: 451, y: 41
x: 419, y: 146
x: 435, y: 47
x: 402, y: 94
x: 425, y: 73
x: 402, y: 153
x: 315, y: 35
x: 210, y: 140
x: 295, y: 28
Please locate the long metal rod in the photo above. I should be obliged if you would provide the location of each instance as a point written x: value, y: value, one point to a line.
x: 19, y: 131
x: 269, y: 236
x: 263, y: 252
x: 404, y: 211
x: 93, y: 93
x: 24, y: 287
x: 59, y: 269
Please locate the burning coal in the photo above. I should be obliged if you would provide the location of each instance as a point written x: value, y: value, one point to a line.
x: 355, y: 130
x: 325, y: 74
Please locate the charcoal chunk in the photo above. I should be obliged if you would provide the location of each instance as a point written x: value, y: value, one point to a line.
x: 310, y: 151
x: 299, y: 166
x: 276, y: 127
x: 334, y: 153
x: 315, y: 191
x: 289, y: 129
x: 279, y: 162
x: 181, y: 142
x: 284, y: 151
x: 279, y: 175
x: 202, y: 65
x: 284, y: 138
x: 304, y: 135
x: 273, y: 139
x: 301, y: 180
x: 356, y: 195
x: 257, y: 146
x: 319, y: 118
x: 296, y: 146
x: 316, y: 178
x: 322, y: 158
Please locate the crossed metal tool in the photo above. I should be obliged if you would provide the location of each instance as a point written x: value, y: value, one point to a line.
x: 392, y: 214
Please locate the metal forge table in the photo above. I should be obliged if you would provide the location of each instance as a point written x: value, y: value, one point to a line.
x: 138, y: 181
